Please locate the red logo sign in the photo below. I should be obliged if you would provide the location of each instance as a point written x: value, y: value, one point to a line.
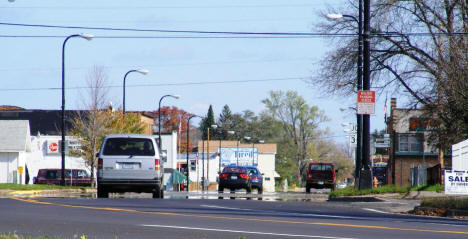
x: 53, y: 147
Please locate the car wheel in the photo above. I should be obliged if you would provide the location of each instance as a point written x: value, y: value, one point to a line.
x: 102, y: 193
x: 332, y: 187
x: 307, y: 188
x: 158, y: 192
x: 220, y: 192
x: 249, y: 189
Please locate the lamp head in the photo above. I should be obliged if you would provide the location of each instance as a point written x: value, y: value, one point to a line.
x: 334, y: 16
x: 176, y: 96
x: 142, y: 71
x: 88, y: 37
x: 214, y: 126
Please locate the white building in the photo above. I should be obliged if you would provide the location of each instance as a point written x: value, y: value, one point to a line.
x: 15, y: 144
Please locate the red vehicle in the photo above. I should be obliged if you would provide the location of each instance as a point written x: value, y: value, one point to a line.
x: 53, y: 176
x: 320, y: 175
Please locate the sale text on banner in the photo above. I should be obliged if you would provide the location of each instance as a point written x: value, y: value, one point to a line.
x: 456, y: 182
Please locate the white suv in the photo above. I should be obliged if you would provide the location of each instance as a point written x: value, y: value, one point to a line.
x: 129, y: 163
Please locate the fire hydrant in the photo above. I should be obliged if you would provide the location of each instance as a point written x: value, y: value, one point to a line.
x: 375, y: 182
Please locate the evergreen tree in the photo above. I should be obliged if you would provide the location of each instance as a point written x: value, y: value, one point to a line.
x: 206, y: 123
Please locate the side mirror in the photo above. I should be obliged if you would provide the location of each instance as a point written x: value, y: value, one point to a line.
x: 263, y: 174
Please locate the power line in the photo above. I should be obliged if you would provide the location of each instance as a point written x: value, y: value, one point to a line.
x: 171, y: 31
x: 187, y: 37
x: 157, y: 85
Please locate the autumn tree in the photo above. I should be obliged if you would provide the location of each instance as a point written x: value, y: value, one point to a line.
x: 96, y: 120
x: 175, y: 119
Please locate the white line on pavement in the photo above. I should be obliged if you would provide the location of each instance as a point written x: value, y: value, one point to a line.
x: 284, y: 213
x: 245, y: 232
x: 375, y: 210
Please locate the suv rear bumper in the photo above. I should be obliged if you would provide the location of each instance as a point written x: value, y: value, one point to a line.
x: 129, y: 185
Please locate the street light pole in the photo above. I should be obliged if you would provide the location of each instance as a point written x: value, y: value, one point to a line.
x: 62, y: 146
x: 187, y: 149
x: 359, y: 127
x: 365, y: 180
x: 142, y: 71
x: 159, y: 115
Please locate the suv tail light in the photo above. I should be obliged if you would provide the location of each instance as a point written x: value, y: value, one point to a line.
x: 99, y: 163
x: 244, y: 176
x: 255, y: 177
x: 156, y: 164
x: 223, y: 175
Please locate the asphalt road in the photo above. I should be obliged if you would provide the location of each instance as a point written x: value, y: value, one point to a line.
x: 212, y: 218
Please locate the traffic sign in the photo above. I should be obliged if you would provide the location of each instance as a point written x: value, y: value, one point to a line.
x: 366, y: 102
x: 353, y: 140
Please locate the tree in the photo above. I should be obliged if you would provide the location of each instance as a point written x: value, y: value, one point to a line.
x: 206, y: 123
x: 417, y: 46
x: 175, y: 119
x: 299, y: 121
x: 91, y: 125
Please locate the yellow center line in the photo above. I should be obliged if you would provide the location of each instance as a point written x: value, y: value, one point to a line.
x: 240, y: 218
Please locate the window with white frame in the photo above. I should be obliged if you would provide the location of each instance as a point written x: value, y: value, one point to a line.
x: 410, y: 143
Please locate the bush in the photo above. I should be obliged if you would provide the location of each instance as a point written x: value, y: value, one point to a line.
x: 351, y: 191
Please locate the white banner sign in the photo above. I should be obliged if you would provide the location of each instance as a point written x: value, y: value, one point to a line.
x: 241, y: 157
x: 456, y: 182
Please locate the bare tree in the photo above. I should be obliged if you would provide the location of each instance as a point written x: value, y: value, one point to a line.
x: 417, y: 46
x: 90, y: 125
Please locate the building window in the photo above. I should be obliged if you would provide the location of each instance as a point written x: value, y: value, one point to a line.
x: 410, y: 143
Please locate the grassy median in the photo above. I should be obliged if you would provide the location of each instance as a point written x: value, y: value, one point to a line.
x: 351, y: 191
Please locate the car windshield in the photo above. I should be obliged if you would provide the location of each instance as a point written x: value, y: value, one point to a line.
x: 321, y: 167
x: 234, y: 170
x: 129, y: 146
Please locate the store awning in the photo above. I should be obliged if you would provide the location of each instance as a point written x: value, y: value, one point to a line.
x: 178, y: 177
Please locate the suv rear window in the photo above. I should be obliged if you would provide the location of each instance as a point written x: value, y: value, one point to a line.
x: 129, y: 146
x: 321, y: 167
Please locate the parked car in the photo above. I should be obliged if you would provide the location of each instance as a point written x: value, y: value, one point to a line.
x: 239, y: 177
x: 53, y: 176
x: 129, y: 163
x: 341, y: 185
x: 320, y: 175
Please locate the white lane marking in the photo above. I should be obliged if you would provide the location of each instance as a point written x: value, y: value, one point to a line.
x: 245, y: 232
x: 283, y: 213
x: 375, y: 210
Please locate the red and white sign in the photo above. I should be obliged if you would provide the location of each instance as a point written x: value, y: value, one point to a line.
x: 52, y: 147
x: 366, y: 102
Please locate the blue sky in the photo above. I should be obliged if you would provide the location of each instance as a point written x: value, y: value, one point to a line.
x: 31, y: 66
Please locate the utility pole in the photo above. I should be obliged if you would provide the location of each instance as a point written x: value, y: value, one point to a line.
x: 365, y: 179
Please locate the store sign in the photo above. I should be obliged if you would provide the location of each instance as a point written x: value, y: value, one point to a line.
x: 239, y: 156
x: 422, y: 124
x: 456, y: 182
x: 53, y: 147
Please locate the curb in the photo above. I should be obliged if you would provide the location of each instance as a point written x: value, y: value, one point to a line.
x: 355, y: 199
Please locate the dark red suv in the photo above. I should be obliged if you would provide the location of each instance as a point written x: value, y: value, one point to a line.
x: 320, y: 175
x: 74, y: 177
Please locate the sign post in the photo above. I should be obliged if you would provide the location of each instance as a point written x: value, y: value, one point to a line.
x: 20, y: 170
x: 366, y: 102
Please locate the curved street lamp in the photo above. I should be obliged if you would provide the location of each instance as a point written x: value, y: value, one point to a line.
x: 141, y: 71
x: 62, y: 147
x: 359, y: 118
x: 187, y: 149
x: 159, y: 115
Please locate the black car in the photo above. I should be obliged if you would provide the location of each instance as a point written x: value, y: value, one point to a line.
x: 238, y: 177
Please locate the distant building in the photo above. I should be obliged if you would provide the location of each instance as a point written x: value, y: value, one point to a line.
x: 409, y: 148
x: 263, y: 156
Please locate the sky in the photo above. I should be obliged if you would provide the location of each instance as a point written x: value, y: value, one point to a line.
x: 204, y: 69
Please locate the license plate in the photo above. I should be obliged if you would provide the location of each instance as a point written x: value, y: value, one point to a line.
x: 233, y: 177
x: 127, y: 166
x: 320, y: 182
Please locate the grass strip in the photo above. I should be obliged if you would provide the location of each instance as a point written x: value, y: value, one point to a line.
x: 446, y: 203
x: 351, y: 191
